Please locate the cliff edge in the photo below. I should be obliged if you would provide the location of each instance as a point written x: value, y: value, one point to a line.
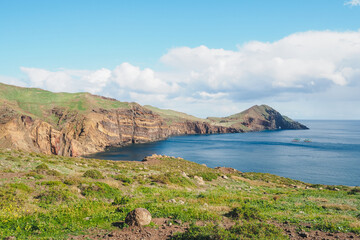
x: 75, y: 124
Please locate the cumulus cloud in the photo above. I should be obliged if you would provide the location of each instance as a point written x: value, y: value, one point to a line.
x: 124, y: 82
x: 322, y: 65
x: 133, y: 78
x: 353, y: 3
x: 302, y: 62
x: 12, y: 81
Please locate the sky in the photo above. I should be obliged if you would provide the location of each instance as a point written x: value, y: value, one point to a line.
x: 204, y: 57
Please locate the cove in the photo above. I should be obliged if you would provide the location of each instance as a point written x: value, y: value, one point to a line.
x: 331, y: 157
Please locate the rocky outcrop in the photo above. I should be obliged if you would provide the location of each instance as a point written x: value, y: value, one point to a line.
x: 77, y: 135
x: 258, y: 118
x: 191, y: 127
x: 263, y: 117
x: 82, y: 124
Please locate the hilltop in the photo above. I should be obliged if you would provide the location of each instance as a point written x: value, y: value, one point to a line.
x: 75, y: 124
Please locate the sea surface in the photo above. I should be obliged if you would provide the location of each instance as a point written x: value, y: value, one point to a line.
x: 332, y: 156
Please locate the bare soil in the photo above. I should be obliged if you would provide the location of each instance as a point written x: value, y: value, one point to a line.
x: 164, y: 230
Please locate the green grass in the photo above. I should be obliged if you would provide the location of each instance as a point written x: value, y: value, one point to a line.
x: 241, y: 231
x: 40, y: 205
x: 39, y: 103
x: 94, y: 174
x: 172, y: 116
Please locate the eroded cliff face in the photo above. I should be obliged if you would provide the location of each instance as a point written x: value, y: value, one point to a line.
x: 77, y: 135
x: 269, y: 121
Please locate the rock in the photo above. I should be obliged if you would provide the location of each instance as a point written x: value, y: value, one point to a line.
x: 10, y: 238
x: 138, y: 217
x: 224, y: 177
x: 181, y: 202
x: 184, y: 174
x: 172, y: 201
x: 199, y: 180
x: 303, y: 234
x: 204, y: 165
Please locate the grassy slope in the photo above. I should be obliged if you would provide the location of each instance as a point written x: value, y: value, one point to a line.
x: 38, y: 103
x: 48, y: 196
x: 235, y: 120
x: 171, y: 116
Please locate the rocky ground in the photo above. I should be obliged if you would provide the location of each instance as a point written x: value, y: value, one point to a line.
x: 53, y: 197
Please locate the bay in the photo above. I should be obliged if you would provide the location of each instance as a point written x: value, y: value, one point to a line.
x: 332, y: 156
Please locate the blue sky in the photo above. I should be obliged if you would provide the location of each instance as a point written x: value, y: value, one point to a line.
x: 112, y: 47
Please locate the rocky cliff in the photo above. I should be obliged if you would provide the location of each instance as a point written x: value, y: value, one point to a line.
x: 79, y: 124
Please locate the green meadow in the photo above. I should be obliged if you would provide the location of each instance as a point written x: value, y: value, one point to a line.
x: 57, y: 197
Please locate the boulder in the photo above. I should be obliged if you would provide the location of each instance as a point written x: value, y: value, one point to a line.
x: 138, y: 217
x: 199, y: 180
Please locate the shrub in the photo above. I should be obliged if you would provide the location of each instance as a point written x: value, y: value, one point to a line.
x: 121, y: 200
x: 72, y: 181
x: 53, y: 172
x: 257, y: 230
x: 51, y: 183
x: 21, y: 186
x: 354, y: 191
x: 42, y: 167
x: 55, y: 195
x: 124, y: 179
x: 94, y: 174
x: 35, y: 175
x: 99, y: 190
x: 246, y: 211
x: 253, y: 230
x: 173, y: 178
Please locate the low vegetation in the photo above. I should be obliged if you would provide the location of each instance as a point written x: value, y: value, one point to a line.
x: 59, y: 197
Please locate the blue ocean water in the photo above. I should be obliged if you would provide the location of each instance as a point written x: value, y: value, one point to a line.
x: 332, y: 156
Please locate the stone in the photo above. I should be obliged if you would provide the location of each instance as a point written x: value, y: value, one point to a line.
x: 138, y: 217
x: 172, y: 201
x: 199, y: 180
x: 181, y: 202
x: 184, y: 174
x: 224, y: 177
x: 303, y: 234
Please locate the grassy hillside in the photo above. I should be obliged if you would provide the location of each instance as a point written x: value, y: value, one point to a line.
x: 51, y: 196
x: 171, y: 116
x: 236, y: 120
x: 39, y: 103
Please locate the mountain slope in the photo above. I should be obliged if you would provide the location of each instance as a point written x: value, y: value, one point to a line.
x: 258, y: 118
x: 75, y: 124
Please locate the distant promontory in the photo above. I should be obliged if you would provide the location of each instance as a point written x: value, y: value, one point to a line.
x: 75, y: 124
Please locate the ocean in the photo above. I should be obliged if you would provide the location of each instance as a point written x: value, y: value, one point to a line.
x: 331, y: 157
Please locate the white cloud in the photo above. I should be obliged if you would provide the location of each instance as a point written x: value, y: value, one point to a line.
x: 302, y: 61
x: 133, y: 78
x: 321, y: 65
x: 12, y: 81
x: 353, y: 3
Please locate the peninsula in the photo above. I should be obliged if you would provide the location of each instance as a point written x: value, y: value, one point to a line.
x: 76, y: 124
